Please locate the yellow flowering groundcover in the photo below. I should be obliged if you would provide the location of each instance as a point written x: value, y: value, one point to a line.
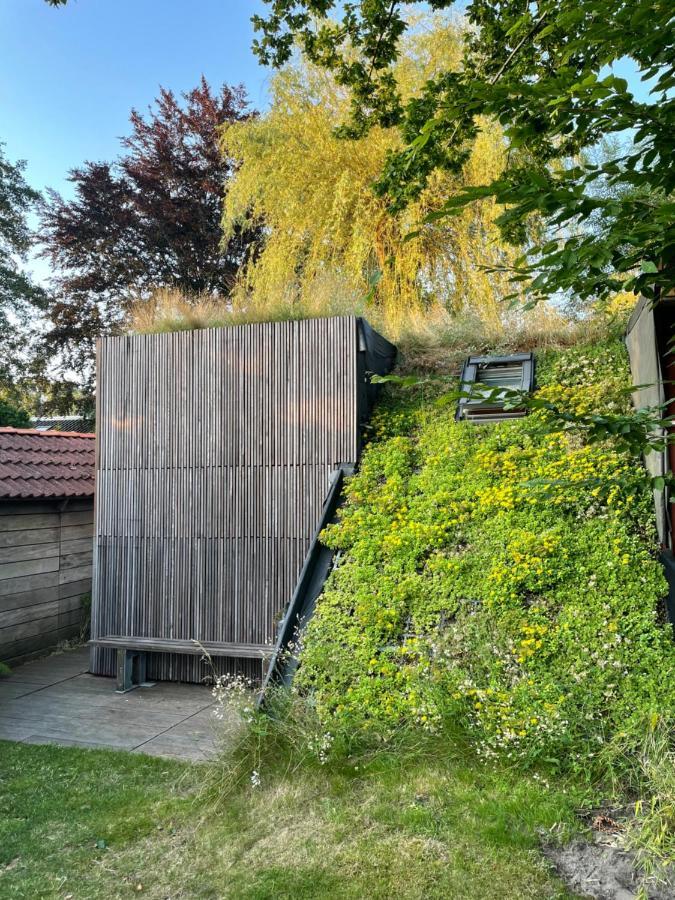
x: 499, y: 578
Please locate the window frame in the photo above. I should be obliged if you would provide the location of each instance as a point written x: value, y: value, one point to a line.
x: 469, y: 377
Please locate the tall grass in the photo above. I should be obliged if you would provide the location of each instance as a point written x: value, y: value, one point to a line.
x: 432, y: 339
x: 652, y: 834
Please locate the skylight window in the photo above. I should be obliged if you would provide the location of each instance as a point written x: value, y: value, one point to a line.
x: 487, y: 380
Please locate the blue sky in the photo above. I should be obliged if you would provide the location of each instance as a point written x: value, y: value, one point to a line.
x: 69, y: 76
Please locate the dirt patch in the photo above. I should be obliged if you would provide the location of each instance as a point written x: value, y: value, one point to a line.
x: 605, y: 872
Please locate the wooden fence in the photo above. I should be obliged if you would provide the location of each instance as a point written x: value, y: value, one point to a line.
x: 215, y: 453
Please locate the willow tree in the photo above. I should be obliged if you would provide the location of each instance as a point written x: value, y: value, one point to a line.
x: 330, y: 242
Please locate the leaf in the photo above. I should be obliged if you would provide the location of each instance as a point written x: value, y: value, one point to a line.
x: 373, y: 282
x: 402, y: 380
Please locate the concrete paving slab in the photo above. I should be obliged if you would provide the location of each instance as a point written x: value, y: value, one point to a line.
x: 117, y: 733
x: 199, y: 730
x: 81, y: 717
x: 68, y: 742
x: 178, y: 747
x: 63, y: 668
x: 63, y: 739
x: 14, y: 731
x: 55, y: 700
x: 9, y: 691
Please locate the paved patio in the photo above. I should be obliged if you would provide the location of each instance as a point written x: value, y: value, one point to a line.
x: 55, y: 700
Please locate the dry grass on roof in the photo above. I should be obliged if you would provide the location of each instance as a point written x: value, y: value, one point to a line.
x: 429, y: 340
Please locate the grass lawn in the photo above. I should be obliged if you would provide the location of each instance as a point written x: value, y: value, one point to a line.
x: 97, y: 824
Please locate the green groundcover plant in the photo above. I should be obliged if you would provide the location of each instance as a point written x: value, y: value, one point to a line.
x: 501, y: 578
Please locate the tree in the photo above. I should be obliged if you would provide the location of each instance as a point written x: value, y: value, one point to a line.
x: 149, y: 219
x: 544, y: 71
x: 13, y: 416
x: 20, y: 299
x: 329, y: 240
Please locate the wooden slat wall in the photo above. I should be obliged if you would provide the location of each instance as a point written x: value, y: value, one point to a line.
x: 215, y: 453
x: 45, y: 572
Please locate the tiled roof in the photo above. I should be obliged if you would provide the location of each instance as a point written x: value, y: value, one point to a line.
x: 46, y: 463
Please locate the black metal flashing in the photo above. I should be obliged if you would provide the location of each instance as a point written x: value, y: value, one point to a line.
x: 377, y: 356
x: 315, y: 570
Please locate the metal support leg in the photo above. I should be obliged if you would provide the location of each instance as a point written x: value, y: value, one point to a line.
x: 130, y: 669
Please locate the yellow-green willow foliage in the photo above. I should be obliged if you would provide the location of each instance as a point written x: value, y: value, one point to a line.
x: 331, y: 245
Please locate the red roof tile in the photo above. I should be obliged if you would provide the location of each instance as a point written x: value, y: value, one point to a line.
x: 46, y: 463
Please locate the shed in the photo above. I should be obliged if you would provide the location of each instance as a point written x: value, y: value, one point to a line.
x: 46, y: 538
x: 217, y: 451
